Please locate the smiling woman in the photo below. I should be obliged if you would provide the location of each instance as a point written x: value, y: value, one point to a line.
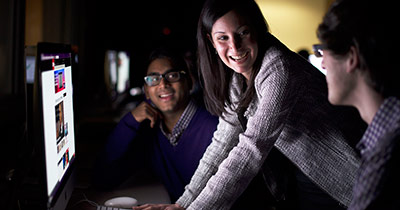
x: 272, y: 105
x: 234, y: 43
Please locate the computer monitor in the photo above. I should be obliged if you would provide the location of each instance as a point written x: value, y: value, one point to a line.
x: 53, y: 123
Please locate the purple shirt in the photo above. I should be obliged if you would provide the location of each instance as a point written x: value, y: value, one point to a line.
x: 174, y: 165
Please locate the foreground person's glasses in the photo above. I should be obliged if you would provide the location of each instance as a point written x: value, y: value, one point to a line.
x: 318, y: 50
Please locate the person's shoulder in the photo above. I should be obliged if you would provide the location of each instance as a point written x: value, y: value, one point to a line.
x: 129, y: 120
x: 278, y: 54
x: 274, y: 64
x: 203, y: 117
x: 202, y: 112
x: 280, y: 61
x: 391, y: 139
x: 203, y: 122
x: 276, y: 57
x: 276, y: 50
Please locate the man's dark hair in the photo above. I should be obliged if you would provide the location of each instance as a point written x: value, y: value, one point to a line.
x: 368, y: 26
x: 175, y: 57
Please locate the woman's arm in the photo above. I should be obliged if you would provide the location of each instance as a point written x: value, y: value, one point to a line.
x: 263, y: 128
x: 224, y: 139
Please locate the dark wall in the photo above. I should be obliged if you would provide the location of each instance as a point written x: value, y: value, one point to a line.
x: 134, y: 26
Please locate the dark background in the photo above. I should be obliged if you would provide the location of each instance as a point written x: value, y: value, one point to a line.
x: 91, y: 27
x: 134, y: 26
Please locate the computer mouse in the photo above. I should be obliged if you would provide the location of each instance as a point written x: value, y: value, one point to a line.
x: 121, y: 202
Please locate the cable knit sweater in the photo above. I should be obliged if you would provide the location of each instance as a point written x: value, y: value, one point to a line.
x: 291, y: 112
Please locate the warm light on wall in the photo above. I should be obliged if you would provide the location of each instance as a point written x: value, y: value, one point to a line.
x: 294, y: 22
x: 33, y: 22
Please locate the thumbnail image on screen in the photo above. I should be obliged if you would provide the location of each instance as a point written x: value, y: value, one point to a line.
x: 59, y: 80
x: 59, y: 121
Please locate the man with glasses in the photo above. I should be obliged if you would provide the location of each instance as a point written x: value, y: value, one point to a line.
x: 359, y: 50
x: 169, y: 129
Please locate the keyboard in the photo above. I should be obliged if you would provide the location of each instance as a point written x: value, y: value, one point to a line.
x: 100, y: 207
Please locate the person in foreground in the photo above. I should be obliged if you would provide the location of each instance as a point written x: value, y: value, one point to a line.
x: 359, y: 52
x: 268, y: 98
x: 169, y: 128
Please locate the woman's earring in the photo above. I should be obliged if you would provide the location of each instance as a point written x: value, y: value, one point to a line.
x: 216, y: 52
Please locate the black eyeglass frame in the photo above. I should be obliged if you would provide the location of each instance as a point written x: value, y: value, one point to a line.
x: 165, y: 76
x: 318, y: 50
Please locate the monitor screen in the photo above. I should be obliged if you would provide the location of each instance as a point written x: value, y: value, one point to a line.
x: 55, y: 105
x: 58, y: 117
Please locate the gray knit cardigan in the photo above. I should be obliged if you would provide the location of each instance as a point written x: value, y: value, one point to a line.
x: 292, y: 113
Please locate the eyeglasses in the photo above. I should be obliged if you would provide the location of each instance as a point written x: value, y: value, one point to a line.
x: 318, y: 50
x: 171, y: 76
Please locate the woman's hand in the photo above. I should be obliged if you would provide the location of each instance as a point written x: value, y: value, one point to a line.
x: 159, y: 207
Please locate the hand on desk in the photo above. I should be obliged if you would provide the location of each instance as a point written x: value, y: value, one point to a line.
x: 159, y: 207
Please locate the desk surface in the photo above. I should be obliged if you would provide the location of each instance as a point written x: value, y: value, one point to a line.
x: 144, y: 191
x: 141, y: 186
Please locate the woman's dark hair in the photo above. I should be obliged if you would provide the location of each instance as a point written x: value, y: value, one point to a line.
x: 215, y: 75
x: 365, y: 25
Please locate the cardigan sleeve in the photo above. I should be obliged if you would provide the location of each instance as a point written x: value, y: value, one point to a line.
x: 234, y: 172
x: 216, y: 152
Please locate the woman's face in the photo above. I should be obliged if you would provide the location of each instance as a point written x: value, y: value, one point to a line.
x: 235, y: 43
